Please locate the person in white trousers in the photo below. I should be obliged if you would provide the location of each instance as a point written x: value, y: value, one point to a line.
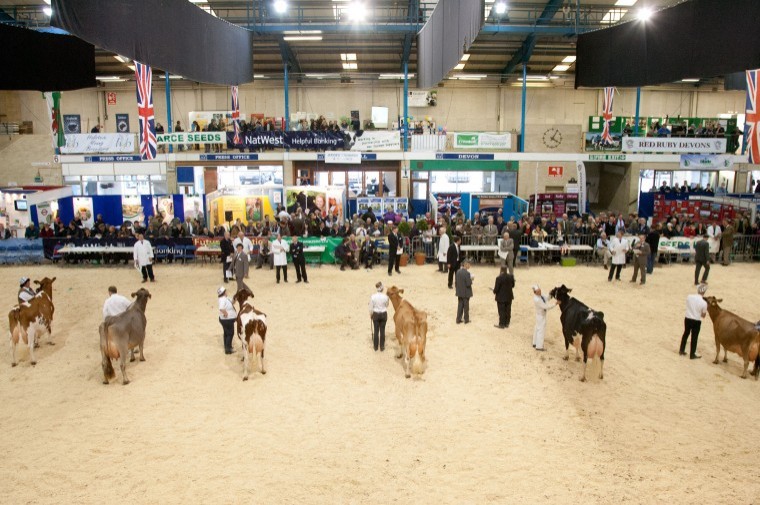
x: 541, y: 307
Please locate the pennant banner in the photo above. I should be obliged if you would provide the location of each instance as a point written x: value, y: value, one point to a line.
x: 53, y: 100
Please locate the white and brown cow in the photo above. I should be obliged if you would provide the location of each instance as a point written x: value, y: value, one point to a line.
x: 251, y: 330
x: 28, y: 321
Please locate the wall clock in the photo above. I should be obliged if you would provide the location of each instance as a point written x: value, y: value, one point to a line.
x: 552, y: 138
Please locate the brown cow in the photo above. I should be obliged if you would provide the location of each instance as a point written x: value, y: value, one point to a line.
x: 733, y: 333
x: 121, y: 334
x: 411, y: 331
x: 251, y: 330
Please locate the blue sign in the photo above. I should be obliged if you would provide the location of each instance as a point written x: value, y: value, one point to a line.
x: 365, y: 157
x: 72, y: 123
x: 229, y: 157
x: 112, y: 159
x: 463, y: 157
x: 122, y: 123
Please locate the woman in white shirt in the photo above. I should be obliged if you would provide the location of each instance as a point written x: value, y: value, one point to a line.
x: 280, y: 250
x: 443, y: 248
x: 227, y: 317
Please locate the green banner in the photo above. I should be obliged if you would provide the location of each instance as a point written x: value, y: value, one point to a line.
x: 192, y: 138
x: 464, y: 165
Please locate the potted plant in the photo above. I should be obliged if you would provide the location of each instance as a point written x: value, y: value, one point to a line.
x: 403, y: 230
x: 420, y: 256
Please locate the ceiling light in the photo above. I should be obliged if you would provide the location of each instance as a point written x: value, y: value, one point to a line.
x: 394, y: 76
x: 47, y: 2
x: 280, y: 6
x: 614, y: 15
x: 644, y: 14
x: 175, y: 77
x: 259, y: 76
x: 569, y: 59
x: 350, y: 66
x: 500, y: 8
x: 131, y: 67
x: 302, y: 32
x: 348, y: 56
x: 690, y: 80
x: 465, y: 77
x: 48, y: 11
x: 357, y: 12
x: 122, y: 59
x: 465, y: 57
x: 625, y: 3
x: 535, y: 78
x: 199, y: 1
x: 561, y: 68
x: 322, y: 76
x: 459, y: 67
x: 302, y: 39
x: 108, y: 78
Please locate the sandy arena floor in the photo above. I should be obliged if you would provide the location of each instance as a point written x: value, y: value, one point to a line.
x: 491, y: 421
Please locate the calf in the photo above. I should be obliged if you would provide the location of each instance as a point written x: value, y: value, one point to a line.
x: 735, y: 334
x: 251, y: 330
x: 26, y: 322
x: 411, y: 332
x: 583, y: 327
x: 121, y: 334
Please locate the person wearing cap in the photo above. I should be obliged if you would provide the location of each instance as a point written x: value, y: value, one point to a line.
x: 542, y: 305
x: 463, y: 292
x: 378, y: 314
x: 696, y: 310
x: 239, y: 267
x: 115, y: 304
x: 25, y: 291
x: 227, y: 317
x: 701, y: 259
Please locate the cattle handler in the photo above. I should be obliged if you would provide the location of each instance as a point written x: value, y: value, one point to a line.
x: 696, y: 310
x: 25, y: 291
x: 227, y: 318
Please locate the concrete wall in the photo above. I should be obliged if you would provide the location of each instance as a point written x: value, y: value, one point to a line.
x: 17, y: 157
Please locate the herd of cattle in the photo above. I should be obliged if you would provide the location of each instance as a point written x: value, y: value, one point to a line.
x: 582, y: 327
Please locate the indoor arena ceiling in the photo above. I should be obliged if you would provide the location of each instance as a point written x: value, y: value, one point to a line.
x: 343, y: 43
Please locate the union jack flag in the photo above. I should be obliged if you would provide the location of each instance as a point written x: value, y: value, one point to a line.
x: 145, y: 112
x: 235, y: 115
x: 751, y: 126
x: 609, y: 95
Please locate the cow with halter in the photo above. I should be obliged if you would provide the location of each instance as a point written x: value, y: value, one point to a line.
x: 123, y: 333
x: 251, y: 330
x: 411, y: 332
x: 28, y: 321
x: 582, y: 327
x: 734, y: 334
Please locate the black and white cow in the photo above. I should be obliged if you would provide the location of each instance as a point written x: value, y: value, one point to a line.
x: 582, y: 327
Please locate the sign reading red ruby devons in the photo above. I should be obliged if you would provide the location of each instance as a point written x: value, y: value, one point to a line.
x: 111, y: 98
x: 556, y: 171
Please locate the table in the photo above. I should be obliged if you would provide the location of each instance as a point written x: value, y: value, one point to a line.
x: 543, y: 248
x: 103, y: 251
x: 482, y: 248
x: 206, y: 252
x: 315, y: 249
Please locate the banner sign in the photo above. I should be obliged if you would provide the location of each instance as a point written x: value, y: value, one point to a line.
x: 593, y: 142
x: 465, y: 157
x: 191, y: 138
x: 582, y: 189
x: 673, y: 145
x: 122, y: 123
x: 111, y: 159
x: 606, y: 157
x: 706, y: 162
x: 229, y: 157
x: 350, y: 157
x: 99, y: 143
x: 375, y: 141
x: 482, y: 141
x: 422, y: 98
x: 83, y: 210
x: 402, y: 206
x: 132, y: 209
x: 683, y: 244
x: 72, y: 123
x: 364, y: 156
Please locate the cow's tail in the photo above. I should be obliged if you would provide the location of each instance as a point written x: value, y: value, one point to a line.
x: 108, y: 371
x: 417, y: 364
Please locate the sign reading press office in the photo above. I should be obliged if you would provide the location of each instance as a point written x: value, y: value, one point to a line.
x: 192, y: 138
x: 482, y: 141
x: 679, y: 145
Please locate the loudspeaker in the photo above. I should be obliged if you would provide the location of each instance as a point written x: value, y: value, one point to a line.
x: 228, y: 215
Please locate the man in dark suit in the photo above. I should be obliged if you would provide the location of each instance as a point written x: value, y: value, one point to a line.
x: 394, y: 256
x: 701, y: 259
x: 299, y: 259
x: 515, y: 233
x: 464, y: 292
x: 452, y: 259
x: 503, y: 291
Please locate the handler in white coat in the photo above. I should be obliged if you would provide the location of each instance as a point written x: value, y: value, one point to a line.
x: 143, y: 256
x: 443, y: 249
x: 541, y: 307
x: 115, y: 304
x: 280, y: 250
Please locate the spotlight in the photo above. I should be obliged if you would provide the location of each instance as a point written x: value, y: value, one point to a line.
x: 48, y: 11
x: 500, y: 8
x: 280, y: 6
x: 644, y: 14
x: 357, y: 12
